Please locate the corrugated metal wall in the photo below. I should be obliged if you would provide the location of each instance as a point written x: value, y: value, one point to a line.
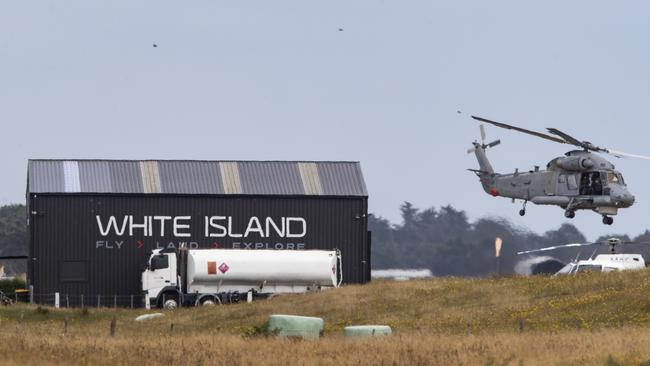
x: 64, y: 236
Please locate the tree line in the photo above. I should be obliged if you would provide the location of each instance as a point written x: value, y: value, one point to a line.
x: 444, y: 241
x: 13, y: 237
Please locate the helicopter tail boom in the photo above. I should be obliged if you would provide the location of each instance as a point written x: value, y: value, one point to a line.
x: 484, y: 164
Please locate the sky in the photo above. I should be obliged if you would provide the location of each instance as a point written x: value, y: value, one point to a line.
x: 380, y: 82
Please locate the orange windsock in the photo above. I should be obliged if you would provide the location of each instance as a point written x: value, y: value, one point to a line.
x: 497, y: 246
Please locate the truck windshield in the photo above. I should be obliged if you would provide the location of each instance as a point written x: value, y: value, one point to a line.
x: 159, y: 262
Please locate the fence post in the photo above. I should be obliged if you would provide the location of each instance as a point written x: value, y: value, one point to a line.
x: 57, y: 300
x: 67, y: 301
x: 147, y: 303
x: 131, y: 301
x: 98, y: 300
x: 115, y: 301
x: 31, y: 294
x: 82, y: 300
x: 113, y: 321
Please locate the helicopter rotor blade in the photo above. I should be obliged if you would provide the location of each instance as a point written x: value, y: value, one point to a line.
x: 611, y: 244
x: 636, y: 242
x: 620, y: 154
x: 509, y: 127
x: 569, y: 139
x: 560, y: 137
x: 494, y: 143
x: 556, y: 247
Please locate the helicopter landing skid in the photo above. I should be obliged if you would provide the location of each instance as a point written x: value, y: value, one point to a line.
x: 522, y: 212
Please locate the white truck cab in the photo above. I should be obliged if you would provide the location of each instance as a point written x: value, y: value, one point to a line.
x: 161, y: 273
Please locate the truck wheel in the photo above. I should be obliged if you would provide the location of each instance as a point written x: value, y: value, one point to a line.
x: 169, y: 301
x: 207, y: 301
x: 234, y: 297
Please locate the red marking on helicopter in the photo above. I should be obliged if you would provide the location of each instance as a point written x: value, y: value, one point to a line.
x: 494, y: 192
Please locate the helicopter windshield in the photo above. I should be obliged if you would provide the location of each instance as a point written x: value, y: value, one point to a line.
x: 589, y: 268
x: 614, y: 178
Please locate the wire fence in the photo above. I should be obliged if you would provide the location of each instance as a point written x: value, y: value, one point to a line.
x: 91, y: 300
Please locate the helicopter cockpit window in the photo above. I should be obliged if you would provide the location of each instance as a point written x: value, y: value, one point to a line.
x: 591, y: 184
x: 612, y: 178
x: 609, y: 269
x: 620, y: 178
x: 589, y: 268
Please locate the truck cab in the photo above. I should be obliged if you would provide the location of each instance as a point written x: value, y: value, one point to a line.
x: 161, y: 275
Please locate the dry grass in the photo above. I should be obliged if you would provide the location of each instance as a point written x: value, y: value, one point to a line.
x: 588, y: 319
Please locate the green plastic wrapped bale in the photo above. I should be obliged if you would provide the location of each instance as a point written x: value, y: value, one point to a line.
x: 304, y: 327
x: 367, y: 331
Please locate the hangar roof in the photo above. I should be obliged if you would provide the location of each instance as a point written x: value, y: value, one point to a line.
x: 311, y: 178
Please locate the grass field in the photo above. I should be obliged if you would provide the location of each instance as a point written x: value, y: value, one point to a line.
x: 593, y: 318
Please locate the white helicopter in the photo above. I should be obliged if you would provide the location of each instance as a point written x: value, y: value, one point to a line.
x: 602, y: 262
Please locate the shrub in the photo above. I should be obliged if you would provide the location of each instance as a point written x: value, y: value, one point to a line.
x: 9, y: 286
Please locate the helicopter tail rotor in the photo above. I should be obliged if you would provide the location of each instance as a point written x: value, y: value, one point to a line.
x: 483, y: 145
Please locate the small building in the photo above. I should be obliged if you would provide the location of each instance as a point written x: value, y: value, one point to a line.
x: 93, y: 223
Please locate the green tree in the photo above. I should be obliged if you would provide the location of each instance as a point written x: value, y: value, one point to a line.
x: 13, y: 230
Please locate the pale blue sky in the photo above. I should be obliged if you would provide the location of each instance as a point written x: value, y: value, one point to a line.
x: 278, y: 80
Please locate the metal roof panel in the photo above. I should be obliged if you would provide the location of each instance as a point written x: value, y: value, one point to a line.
x: 342, y: 179
x: 126, y: 177
x: 95, y: 176
x: 190, y: 177
x: 46, y: 176
x: 270, y: 177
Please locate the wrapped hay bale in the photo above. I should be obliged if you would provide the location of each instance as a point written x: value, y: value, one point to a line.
x: 367, y: 331
x: 304, y: 327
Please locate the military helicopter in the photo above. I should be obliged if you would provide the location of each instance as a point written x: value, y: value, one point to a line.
x: 580, y: 180
x: 602, y: 262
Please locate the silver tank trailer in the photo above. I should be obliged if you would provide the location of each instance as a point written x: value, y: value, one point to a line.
x: 273, y: 271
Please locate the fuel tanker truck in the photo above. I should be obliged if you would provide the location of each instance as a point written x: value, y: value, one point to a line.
x: 193, y: 277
